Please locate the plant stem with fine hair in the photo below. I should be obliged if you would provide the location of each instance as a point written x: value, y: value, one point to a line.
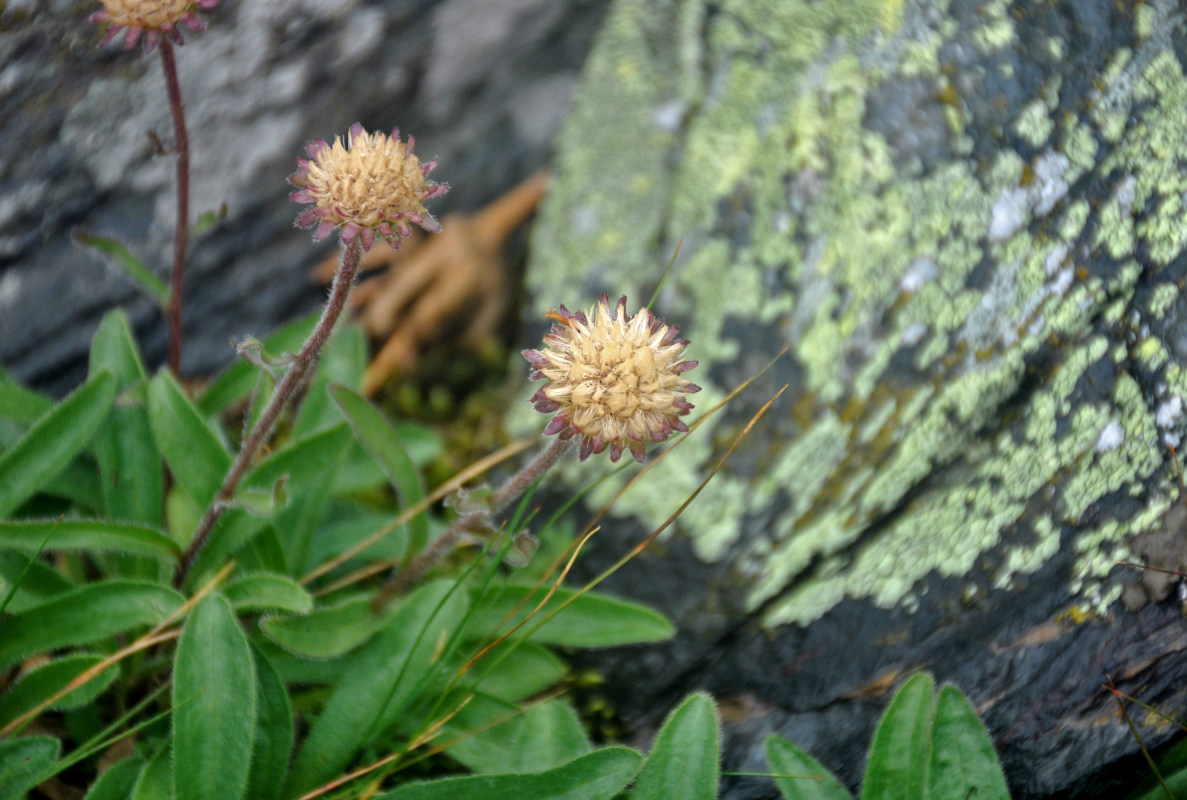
x: 509, y: 491
x: 181, y: 143
x: 302, y: 363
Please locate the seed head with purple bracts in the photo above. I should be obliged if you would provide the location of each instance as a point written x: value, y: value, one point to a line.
x: 152, y: 18
x: 371, y: 186
x: 614, y: 379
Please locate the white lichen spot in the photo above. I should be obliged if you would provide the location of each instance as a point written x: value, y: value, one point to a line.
x: 1049, y: 169
x: 669, y: 117
x: 1008, y: 214
x: 1126, y: 191
x: 919, y: 272
x: 1111, y: 437
x: 1167, y: 416
x: 1063, y: 282
x: 914, y: 334
x: 1055, y: 258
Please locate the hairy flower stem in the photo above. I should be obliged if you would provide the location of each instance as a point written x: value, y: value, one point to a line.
x: 181, y: 141
x: 511, y: 490
x: 302, y: 363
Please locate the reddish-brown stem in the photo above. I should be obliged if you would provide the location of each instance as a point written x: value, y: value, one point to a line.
x: 511, y: 489
x: 181, y: 143
x: 302, y: 362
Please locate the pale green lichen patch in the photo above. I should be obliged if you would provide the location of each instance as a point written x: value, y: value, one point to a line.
x: 956, y: 310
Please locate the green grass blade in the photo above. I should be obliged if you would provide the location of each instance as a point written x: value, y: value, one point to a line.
x: 526, y: 669
x: 801, y: 777
x: 591, y: 620
x: 379, y: 438
x: 685, y: 759
x: 214, y: 705
x: 53, y: 441
x: 659, y: 287
x: 497, y: 737
x: 600, y: 775
x: 153, y: 286
x: 14, y: 578
x: 381, y: 681
x: 901, y: 751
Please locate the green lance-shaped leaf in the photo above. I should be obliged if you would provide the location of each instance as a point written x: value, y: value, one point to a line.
x: 495, y: 736
x: 87, y: 614
x: 20, y: 405
x: 801, y: 777
x: 153, y: 286
x: 381, y: 681
x: 86, y: 534
x: 599, y: 775
x: 116, y: 782
x: 304, y: 468
x: 268, y: 591
x: 524, y: 669
x: 195, y: 455
x: 592, y: 620
x: 155, y: 781
x: 380, y: 439
x: 24, y: 763
x: 901, y: 751
x: 273, y: 738
x: 29, y: 581
x: 685, y: 759
x: 963, y: 761
x: 328, y: 631
x: 237, y: 380
x: 57, y: 436
x: 42, y: 683
x: 214, y: 705
x: 129, y: 463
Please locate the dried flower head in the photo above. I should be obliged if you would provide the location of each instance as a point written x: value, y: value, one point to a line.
x: 614, y: 379
x: 372, y: 185
x: 153, y: 18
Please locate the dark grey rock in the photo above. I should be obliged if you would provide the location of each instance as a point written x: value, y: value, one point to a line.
x: 482, y: 85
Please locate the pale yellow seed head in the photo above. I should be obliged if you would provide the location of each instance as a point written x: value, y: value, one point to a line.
x: 614, y: 379
x: 147, y: 14
x: 371, y: 181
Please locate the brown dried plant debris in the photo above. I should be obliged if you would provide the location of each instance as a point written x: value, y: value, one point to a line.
x: 458, y: 274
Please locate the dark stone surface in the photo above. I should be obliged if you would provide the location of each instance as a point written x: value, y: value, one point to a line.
x: 964, y: 221
x: 481, y: 85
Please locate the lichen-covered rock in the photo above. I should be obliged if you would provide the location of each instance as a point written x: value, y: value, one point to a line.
x: 481, y: 85
x: 965, y: 219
